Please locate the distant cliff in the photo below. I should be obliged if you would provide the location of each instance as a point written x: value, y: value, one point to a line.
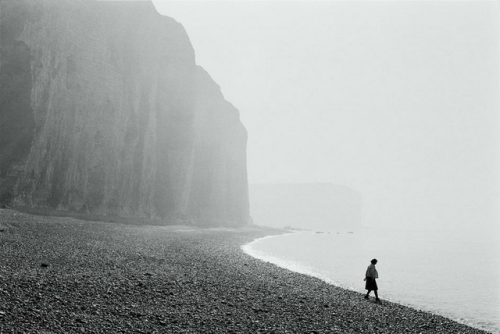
x: 320, y: 206
x: 103, y: 110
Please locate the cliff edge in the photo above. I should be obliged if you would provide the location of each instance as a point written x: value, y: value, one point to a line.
x: 103, y: 110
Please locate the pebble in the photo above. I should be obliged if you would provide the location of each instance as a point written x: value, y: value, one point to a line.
x: 108, y: 277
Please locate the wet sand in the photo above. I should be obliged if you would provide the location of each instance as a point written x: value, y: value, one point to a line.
x: 63, y: 275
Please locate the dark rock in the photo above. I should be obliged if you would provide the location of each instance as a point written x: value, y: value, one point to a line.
x: 121, y: 125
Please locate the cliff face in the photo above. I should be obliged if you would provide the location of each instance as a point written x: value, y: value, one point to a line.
x: 103, y: 110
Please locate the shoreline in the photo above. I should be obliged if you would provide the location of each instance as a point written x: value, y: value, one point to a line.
x: 67, y: 275
x: 291, y: 265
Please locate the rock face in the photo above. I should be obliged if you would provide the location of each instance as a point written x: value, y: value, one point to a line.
x: 103, y: 110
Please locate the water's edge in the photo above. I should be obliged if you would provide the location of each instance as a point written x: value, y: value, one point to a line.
x: 309, y: 271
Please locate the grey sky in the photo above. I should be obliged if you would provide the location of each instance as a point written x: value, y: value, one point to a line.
x: 398, y: 100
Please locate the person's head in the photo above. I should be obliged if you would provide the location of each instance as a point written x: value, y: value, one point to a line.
x: 374, y: 261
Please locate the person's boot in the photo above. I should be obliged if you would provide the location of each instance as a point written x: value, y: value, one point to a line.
x: 366, y: 296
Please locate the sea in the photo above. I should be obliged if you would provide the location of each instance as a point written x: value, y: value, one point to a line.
x: 455, y: 274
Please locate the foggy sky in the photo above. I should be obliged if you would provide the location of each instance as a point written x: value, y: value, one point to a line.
x: 397, y: 100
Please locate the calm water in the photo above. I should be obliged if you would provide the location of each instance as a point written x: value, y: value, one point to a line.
x: 455, y: 274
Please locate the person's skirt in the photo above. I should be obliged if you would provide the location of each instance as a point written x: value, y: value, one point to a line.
x: 371, y: 284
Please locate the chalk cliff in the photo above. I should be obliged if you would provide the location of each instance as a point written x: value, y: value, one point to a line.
x: 103, y: 110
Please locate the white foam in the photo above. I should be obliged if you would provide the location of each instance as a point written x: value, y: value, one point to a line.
x: 288, y: 264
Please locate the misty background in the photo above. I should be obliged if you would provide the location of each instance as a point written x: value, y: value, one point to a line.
x: 397, y: 100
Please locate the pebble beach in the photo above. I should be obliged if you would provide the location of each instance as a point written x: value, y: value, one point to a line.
x: 64, y: 275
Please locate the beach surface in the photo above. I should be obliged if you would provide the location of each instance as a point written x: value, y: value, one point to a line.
x: 63, y: 275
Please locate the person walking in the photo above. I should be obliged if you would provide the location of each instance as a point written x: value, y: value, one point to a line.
x: 371, y: 284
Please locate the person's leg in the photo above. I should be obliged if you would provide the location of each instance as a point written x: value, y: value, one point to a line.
x: 367, y: 294
x: 376, y: 294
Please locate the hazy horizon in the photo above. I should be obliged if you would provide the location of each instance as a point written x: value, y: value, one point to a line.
x: 397, y: 100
